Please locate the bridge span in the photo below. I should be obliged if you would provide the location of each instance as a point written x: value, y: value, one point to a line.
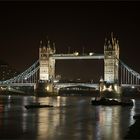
x: 130, y: 85
x: 63, y: 85
x: 18, y: 84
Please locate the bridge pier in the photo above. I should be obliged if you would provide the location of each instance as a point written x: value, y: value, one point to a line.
x: 110, y: 90
x: 45, y: 88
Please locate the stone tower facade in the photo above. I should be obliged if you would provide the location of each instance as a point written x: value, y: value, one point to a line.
x: 45, y: 52
x: 111, y: 63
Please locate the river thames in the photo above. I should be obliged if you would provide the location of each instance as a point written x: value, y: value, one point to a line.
x: 71, y: 118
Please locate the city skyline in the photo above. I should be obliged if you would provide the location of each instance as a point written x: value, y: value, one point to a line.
x: 76, y: 25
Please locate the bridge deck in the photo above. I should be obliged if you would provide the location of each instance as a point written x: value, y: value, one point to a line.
x: 62, y: 85
x: 129, y: 85
x: 18, y: 84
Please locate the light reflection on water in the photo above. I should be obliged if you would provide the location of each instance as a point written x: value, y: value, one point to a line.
x: 72, y: 118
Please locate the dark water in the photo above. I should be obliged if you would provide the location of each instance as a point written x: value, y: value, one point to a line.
x: 72, y: 118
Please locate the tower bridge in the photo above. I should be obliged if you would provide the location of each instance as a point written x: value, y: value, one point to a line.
x: 116, y: 73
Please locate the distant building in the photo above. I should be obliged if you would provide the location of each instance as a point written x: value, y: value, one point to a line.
x: 6, y: 71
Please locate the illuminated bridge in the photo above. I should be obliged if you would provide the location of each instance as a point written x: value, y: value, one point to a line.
x: 116, y: 72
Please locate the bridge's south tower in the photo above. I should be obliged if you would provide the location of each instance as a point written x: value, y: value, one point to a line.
x: 111, y: 64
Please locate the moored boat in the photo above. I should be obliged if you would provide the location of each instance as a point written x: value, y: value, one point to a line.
x: 110, y: 102
x: 30, y: 106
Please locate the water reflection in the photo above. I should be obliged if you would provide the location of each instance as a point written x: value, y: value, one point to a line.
x: 108, y: 122
x: 77, y: 121
x: 71, y: 118
x: 51, y: 119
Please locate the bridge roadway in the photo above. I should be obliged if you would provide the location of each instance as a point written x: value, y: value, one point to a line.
x: 63, y: 85
x: 91, y: 85
x: 18, y: 84
x: 58, y: 85
x: 74, y: 56
x: 130, y: 85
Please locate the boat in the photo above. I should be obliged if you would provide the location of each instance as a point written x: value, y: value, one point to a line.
x: 110, y: 102
x: 37, y: 105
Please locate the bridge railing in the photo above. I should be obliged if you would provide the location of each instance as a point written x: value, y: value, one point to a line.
x: 128, y: 76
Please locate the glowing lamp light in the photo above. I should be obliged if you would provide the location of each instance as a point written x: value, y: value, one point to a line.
x: 56, y: 81
x: 110, y: 88
x: 115, y: 87
x: 47, y: 88
x: 3, y: 88
x: 76, y: 53
x: 104, y: 88
x: 133, y: 87
x: 91, y: 53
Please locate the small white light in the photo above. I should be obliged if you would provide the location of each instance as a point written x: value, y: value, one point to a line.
x: 91, y: 53
x: 110, y: 88
x: 56, y: 81
x: 76, y: 53
x: 47, y: 88
x: 132, y: 87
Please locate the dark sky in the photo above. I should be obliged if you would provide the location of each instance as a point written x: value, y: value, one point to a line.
x: 74, y: 24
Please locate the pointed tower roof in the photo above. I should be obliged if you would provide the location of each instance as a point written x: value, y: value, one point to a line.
x: 41, y: 42
x: 101, y: 79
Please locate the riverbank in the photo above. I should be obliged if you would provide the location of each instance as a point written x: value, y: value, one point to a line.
x: 134, y: 130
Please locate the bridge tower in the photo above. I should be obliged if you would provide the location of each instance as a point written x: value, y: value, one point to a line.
x: 47, y: 65
x: 111, y: 63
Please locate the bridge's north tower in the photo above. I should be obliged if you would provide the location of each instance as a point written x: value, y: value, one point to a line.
x: 46, y: 65
x: 111, y: 63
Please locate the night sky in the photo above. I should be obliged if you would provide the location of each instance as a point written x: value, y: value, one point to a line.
x: 68, y: 24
